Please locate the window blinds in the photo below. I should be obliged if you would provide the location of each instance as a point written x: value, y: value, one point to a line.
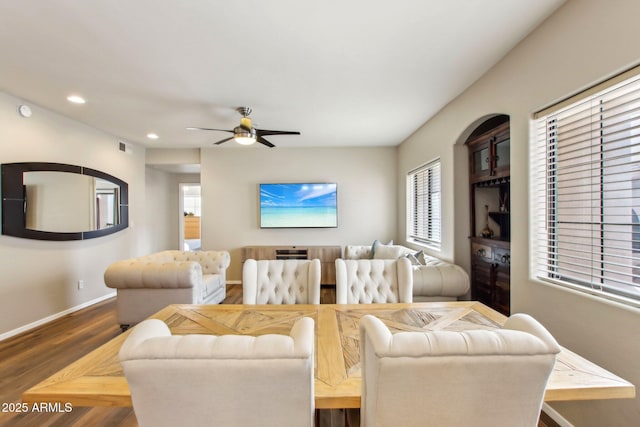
x: 424, y: 204
x: 586, y: 175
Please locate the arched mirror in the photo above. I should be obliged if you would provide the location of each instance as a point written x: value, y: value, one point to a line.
x: 55, y: 201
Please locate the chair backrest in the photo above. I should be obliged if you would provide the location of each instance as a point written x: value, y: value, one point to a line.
x: 228, y: 380
x: 281, y: 281
x: 366, y: 281
x: 445, y: 378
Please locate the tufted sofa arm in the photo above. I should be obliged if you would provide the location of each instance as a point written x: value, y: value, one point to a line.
x: 153, y: 274
x: 167, y: 269
x: 439, y: 278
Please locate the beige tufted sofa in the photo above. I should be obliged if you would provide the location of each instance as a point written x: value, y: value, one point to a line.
x: 149, y: 283
x: 433, y: 280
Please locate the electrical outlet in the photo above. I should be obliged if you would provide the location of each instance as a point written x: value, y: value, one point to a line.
x: 80, y: 284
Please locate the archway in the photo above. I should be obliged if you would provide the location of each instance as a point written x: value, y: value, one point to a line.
x: 482, y: 170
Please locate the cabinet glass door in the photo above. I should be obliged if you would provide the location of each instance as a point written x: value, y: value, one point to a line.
x: 481, y: 160
x: 503, y: 151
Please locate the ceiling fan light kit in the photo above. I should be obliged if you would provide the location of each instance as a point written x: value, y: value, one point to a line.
x: 245, y: 133
x: 244, y: 138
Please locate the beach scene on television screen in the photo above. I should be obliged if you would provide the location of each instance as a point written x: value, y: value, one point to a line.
x: 298, y: 205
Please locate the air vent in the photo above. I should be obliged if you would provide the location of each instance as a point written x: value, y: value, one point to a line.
x: 122, y: 146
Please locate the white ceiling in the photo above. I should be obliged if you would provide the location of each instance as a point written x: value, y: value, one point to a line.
x: 342, y: 72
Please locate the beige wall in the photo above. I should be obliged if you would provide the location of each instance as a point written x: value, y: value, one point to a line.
x: 161, y: 198
x: 38, y: 279
x: 582, y: 43
x: 230, y: 178
x: 164, y: 217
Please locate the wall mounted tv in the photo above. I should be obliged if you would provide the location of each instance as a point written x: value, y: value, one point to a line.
x: 299, y: 205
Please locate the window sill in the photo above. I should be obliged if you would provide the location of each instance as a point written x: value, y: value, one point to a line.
x: 423, y: 245
x: 614, y: 300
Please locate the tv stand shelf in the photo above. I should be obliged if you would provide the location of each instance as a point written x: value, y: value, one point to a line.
x: 292, y: 254
x: 326, y: 254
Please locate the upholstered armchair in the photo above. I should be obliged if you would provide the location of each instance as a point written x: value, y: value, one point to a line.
x: 228, y: 380
x: 281, y: 281
x: 366, y: 281
x: 446, y: 378
x: 149, y: 283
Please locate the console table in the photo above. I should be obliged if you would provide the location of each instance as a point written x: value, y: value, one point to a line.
x: 326, y: 254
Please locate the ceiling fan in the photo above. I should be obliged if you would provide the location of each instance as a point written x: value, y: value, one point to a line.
x: 245, y: 133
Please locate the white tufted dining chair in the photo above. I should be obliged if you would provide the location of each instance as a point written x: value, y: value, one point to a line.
x: 366, y: 281
x: 227, y: 380
x: 281, y: 281
x: 445, y: 378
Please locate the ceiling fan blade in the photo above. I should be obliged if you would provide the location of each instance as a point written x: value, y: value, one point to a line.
x: 224, y: 140
x: 261, y: 140
x: 276, y: 132
x: 221, y: 130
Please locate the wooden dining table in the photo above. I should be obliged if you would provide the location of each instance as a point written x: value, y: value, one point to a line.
x: 97, y: 379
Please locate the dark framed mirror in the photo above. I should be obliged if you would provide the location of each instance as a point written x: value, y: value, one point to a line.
x: 57, y: 201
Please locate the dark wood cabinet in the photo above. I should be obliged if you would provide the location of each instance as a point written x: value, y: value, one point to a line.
x: 489, y: 154
x: 489, y: 187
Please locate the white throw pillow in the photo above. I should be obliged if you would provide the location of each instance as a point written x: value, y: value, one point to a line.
x: 416, y: 259
x: 376, y: 244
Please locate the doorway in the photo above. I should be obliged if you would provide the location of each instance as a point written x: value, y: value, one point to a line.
x: 190, y: 214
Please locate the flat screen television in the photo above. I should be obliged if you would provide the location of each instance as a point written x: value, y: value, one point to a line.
x: 299, y: 205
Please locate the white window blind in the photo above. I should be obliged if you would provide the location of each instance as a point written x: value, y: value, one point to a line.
x: 586, y: 175
x: 423, y: 193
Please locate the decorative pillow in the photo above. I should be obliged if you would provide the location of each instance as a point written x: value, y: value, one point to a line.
x: 426, y: 259
x: 388, y: 252
x: 376, y: 244
x: 413, y: 259
x: 420, y: 257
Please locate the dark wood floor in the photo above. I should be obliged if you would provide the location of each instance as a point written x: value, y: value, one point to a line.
x: 33, y: 356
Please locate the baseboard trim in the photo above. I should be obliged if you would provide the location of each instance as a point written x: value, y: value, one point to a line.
x: 41, y: 322
x: 555, y: 416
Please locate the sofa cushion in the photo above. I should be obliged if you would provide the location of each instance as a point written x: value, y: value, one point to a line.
x: 357, y: 252
x: 388, y: 252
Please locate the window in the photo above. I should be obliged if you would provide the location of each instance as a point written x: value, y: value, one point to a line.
x: 586, y: 172
x: 423, y: 194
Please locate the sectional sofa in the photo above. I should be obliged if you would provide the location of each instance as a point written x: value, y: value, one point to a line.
x: 433, y: 278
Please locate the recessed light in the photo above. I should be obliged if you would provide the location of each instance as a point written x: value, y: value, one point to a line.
x: 24, y: 111
x: 152, y: 136
x: 76, y: 99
